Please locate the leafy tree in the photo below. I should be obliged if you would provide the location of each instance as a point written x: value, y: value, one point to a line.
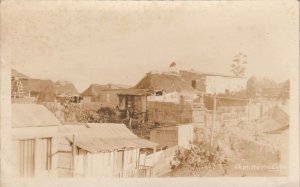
x: 252, y: 87
x: 238, y: 67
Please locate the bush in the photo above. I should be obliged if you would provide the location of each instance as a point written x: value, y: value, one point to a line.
x: 198, y: 160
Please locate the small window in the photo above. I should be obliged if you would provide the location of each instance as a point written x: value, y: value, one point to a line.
x: 159, y: 93
x: 227, y: 92
x: 194, y: 83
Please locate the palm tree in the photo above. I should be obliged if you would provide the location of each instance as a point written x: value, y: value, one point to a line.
x: 238, y: 67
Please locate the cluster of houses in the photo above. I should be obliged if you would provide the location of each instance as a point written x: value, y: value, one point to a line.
x: 177, y: 101
x: 30, y: 90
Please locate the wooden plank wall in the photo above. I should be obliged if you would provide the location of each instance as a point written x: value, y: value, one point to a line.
x: 169, y: 113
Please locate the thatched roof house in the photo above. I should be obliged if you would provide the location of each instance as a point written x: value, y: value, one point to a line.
x: 96, y: 89
x: 169, y: 82
x: 17, y: 75
x: 65, y: 88
x: 43, y: 90
x: 104, y: 94
x: 93, y: 90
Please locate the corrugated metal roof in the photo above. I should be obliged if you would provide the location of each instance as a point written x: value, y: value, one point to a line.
x: 101, y: 137
x: 32, y: 115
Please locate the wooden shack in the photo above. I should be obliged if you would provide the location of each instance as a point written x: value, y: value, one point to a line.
x: 34, y: 140
x: 181, y: 135
x: 105, y: 95
x: 102, y: 150
x: 134, y: 98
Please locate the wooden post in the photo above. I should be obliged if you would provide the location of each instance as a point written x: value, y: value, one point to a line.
x: 34, y: 156
x: 85, y: 163
x: 141, y: 126
x: 123, y: 162
x: 213, y: 122
x: 153, y: 116
x: 261, y: 112
x: 73, y: 156
x: 249, y: 110
x: 114, y: 164
x: 138, y: 157
x: 163, y: 109
x: 154, y: 151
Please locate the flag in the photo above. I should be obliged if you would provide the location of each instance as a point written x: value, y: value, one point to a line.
x: 173, y: 64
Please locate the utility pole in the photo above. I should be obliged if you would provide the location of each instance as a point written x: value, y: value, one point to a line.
x: 214, y: 121
x: 248, y: 109
x: 129, y: 117
x: 73, y: 156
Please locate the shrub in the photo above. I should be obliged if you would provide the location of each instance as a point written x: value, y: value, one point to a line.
x: 198, y: 160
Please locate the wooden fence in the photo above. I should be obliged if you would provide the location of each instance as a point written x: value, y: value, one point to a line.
x: 169, y: 113
x: 141, y: 171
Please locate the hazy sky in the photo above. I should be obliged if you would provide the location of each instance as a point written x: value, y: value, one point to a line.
x: 118, y: 42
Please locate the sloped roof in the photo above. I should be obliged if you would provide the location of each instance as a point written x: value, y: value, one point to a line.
x: 95, y: 89
x: 286, y: 85
x: 194, y: 75
x: 64, y: 88
x: 118, y: 86
x: 32, y: 115
x: 15, y: 74
x: 101, y: 137
x: 45, y: 89
x: 278, y: 130
x: 262, y: 82
x: 164, y: 81
x: 132, y: 91
x: 38, y: 85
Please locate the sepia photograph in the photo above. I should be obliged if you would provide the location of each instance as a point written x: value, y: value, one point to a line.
x: 149, y: 89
